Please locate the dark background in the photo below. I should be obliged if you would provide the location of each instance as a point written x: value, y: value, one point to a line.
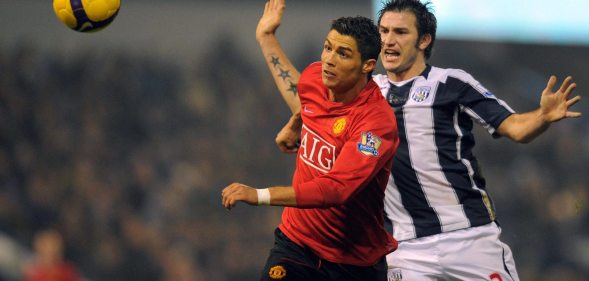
x: 122, y: 140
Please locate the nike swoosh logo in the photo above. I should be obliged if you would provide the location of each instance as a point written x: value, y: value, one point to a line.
x: 306, y: 110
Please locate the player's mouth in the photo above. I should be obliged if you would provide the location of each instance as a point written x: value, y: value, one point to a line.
x: 391, y: 54
x: 328, y: 74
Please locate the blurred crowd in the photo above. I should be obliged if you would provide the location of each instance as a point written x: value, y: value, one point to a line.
x: 121, y: 157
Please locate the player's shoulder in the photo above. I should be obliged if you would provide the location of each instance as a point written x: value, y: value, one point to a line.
x: 443, y: 74
x: 313, y: 68
x: 435, y: 74
x: 381, y: 80
x: 311, y: 73
x: 375, y: 107
x: 379, y: 109
x: 310, y: 80
x: 383, y: 83
x: 378, y: 118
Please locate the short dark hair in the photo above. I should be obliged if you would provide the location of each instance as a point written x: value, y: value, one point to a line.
x: 364, y: 31
x: 425, y: 20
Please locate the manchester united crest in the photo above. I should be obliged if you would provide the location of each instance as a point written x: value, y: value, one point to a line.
x: 277, y: 272
x: 339, y: 125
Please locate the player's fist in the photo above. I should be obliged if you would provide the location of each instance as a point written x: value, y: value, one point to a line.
x: 288, y: 139
x: 236, y: 192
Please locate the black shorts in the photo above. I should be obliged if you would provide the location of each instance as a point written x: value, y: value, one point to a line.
x: 290, y: 262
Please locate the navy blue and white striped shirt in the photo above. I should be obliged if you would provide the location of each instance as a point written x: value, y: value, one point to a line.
x: 436, y: 185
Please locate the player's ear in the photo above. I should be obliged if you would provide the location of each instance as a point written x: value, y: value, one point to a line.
x: 425, y: 41
x: 368, y: 65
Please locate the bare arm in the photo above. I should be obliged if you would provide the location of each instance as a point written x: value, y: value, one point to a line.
x: 236, y: 192
x: 554, y: 106
x: 288, y: 139
x: 285, y: 75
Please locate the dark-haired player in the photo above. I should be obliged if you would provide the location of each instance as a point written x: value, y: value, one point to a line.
x: 333, y: 225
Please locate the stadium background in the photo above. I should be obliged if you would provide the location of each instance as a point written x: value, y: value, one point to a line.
x: 123, y: 139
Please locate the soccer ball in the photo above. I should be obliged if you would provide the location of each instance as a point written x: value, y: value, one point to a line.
x: 86, y: 15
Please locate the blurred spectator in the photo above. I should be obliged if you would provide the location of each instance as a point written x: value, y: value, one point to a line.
x: 48, y: 263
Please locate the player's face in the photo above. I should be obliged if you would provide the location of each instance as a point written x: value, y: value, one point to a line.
x: 401, y: 57
x: 341, y: 62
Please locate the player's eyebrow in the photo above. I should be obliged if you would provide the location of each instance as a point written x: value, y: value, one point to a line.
x: 395, y: 28
x: 341, y: 48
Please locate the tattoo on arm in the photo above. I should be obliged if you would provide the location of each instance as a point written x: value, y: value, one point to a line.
x: 285, y: 75
x: 275, y: 61
x: 293, y: 88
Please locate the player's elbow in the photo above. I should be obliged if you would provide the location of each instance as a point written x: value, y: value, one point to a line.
x: 336, y: 197
x: 520, y: 138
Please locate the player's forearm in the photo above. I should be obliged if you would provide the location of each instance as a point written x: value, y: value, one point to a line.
x: 285, y: 75
x: 295, y: 122
x: 238, y: 192
x: 524, y: 127
x: 282, y: 196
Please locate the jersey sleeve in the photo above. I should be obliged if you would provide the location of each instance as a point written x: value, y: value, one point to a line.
x: 479, y: 103
x: 371, y: 146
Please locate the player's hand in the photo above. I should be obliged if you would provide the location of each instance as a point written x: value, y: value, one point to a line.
x: 271, y: 19
x: 236, y: 192
x: 288, y: 139
x: 555, y: 105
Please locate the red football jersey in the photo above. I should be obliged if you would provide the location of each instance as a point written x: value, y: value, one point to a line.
x: 342, y: 168
x: 63, y: 271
